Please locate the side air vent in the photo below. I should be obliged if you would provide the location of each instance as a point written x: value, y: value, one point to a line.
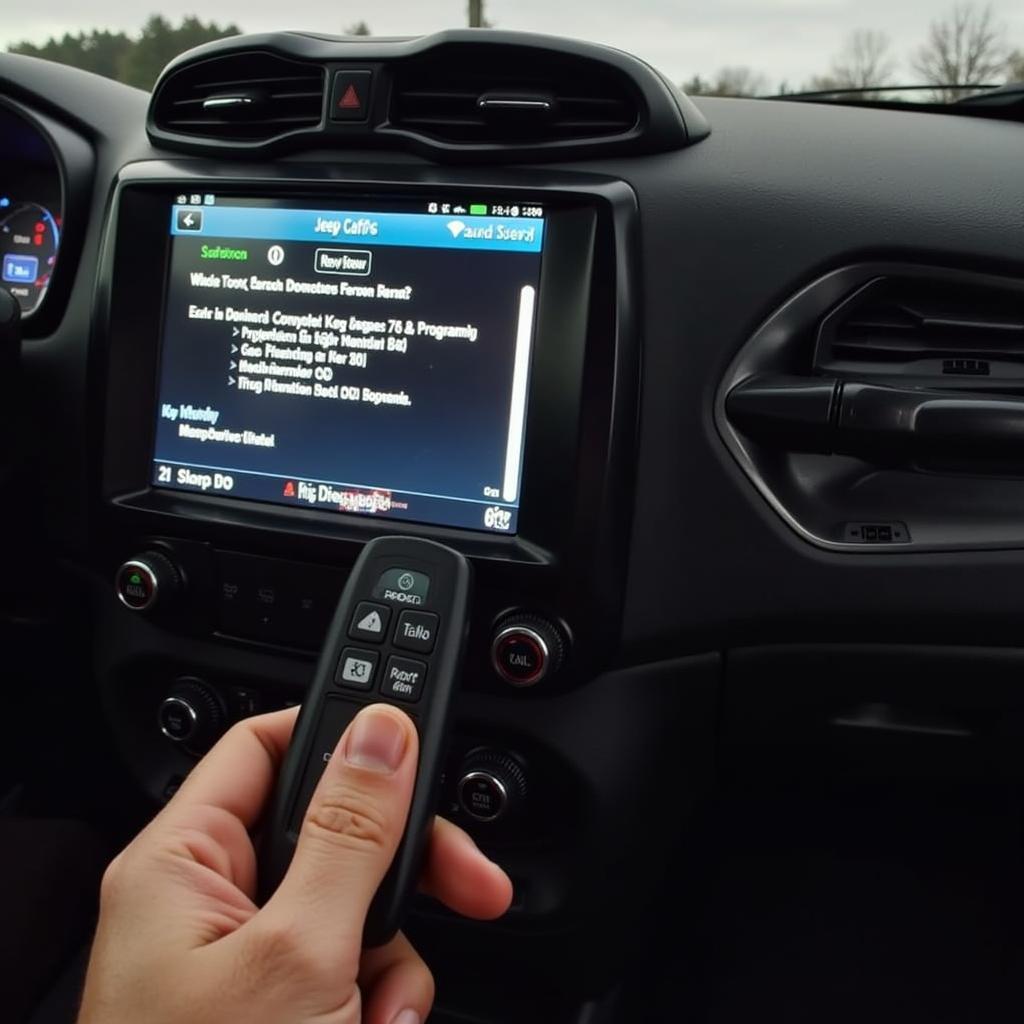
x: 905, y: 431
x: 242, y: 97
x: 926, y: 329
x: 464, y: 95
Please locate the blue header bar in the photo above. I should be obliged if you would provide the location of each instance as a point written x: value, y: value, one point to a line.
x: 417, y: 230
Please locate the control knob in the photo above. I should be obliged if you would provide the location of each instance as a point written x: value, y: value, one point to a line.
x: 192, y: 714
x: 526, y: 649
x: 491, y: 784
x: 147, y: 580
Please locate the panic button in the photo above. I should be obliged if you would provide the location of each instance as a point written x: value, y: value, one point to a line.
x: 403, y: 586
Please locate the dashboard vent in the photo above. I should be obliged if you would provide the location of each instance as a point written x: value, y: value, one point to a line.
x: 467, y: 95
x: 243, y: 97
x: 922, y: 328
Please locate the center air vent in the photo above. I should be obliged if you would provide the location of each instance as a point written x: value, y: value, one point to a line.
x: 462, y: 95
x: 926, y: 329
x: 242, y: 97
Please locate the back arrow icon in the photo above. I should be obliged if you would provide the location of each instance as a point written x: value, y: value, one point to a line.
x: 187, y: 220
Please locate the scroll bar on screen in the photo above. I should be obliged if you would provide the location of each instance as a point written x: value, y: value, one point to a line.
x: 517, y: 412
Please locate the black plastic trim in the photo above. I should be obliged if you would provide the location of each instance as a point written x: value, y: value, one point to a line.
x: 668, y: 119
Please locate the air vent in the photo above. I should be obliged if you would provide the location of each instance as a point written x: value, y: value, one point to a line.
x: 466, y: 95
x: 243, y: 97
x: 928, y: 329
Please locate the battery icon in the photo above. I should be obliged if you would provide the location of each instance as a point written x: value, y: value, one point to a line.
x: 478, y: 209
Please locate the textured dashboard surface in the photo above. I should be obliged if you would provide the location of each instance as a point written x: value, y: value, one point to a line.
x: 778, y: 194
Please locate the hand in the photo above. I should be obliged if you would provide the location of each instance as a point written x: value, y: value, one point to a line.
x: 180, y: 940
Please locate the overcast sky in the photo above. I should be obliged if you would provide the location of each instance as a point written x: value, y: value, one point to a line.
x: 788, y: 40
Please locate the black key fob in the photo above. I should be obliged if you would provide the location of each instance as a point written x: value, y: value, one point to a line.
x: 398, y: 636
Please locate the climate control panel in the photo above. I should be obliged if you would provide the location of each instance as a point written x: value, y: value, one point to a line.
x: 277, y: 603
x: 486, y: 785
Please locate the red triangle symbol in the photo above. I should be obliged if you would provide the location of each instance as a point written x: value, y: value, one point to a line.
x: 350, y: 99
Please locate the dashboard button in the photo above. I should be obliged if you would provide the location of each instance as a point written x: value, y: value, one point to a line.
x: 144, y: 581
x: 350, y: 96
x: 520, y: 656
x: 482, y: 796
x: 136, y: 585
x: 491, y: 785
x: 192, y: 714
x: 526, y: 649
x: 402, y: 586
x: 403, y: 679
x: 177, y: 719
x: 243, y: 702
x: 416, y: 631
x: 276, y: 601
x: 356, y: 669
x: 370, y: 622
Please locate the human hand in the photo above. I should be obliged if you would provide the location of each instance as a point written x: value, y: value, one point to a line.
x: 180, y: 939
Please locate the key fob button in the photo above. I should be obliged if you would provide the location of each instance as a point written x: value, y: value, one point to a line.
x: 403, y: 679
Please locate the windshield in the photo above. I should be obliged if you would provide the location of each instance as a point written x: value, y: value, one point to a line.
x: 728, y: 48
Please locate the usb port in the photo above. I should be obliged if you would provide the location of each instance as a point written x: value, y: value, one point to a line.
x: 876, y: 533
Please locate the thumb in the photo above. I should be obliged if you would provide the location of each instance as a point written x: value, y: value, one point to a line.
x: 349, y: 835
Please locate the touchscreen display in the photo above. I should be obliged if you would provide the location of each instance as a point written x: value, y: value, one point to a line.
x: 358, y: 357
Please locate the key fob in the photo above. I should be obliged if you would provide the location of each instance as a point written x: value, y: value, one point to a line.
x: 398, y: 636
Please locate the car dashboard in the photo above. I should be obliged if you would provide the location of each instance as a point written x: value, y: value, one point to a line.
x: 723, y: 403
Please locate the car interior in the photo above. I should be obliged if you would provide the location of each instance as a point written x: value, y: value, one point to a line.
x: 720, y: 399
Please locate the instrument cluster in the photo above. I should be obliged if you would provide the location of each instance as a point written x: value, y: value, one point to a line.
x: 31, y: 211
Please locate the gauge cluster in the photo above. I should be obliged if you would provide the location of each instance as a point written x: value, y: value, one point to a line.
x: 31, y: 211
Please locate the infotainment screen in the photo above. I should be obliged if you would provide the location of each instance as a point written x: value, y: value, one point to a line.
x: 362, y: 357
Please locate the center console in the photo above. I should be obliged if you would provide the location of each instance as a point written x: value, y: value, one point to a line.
x: 296, y: 364
x: 298, y: 358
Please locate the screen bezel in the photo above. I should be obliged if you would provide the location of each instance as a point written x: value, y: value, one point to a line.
x: 569, y: 345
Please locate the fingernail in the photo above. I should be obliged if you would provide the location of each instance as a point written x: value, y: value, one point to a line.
x: 376, y: 741
x: 407, y: 1017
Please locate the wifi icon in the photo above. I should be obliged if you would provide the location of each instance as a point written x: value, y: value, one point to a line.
x: 456, y: 227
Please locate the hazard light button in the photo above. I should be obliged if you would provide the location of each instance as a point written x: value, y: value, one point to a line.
x: 350, y: 96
